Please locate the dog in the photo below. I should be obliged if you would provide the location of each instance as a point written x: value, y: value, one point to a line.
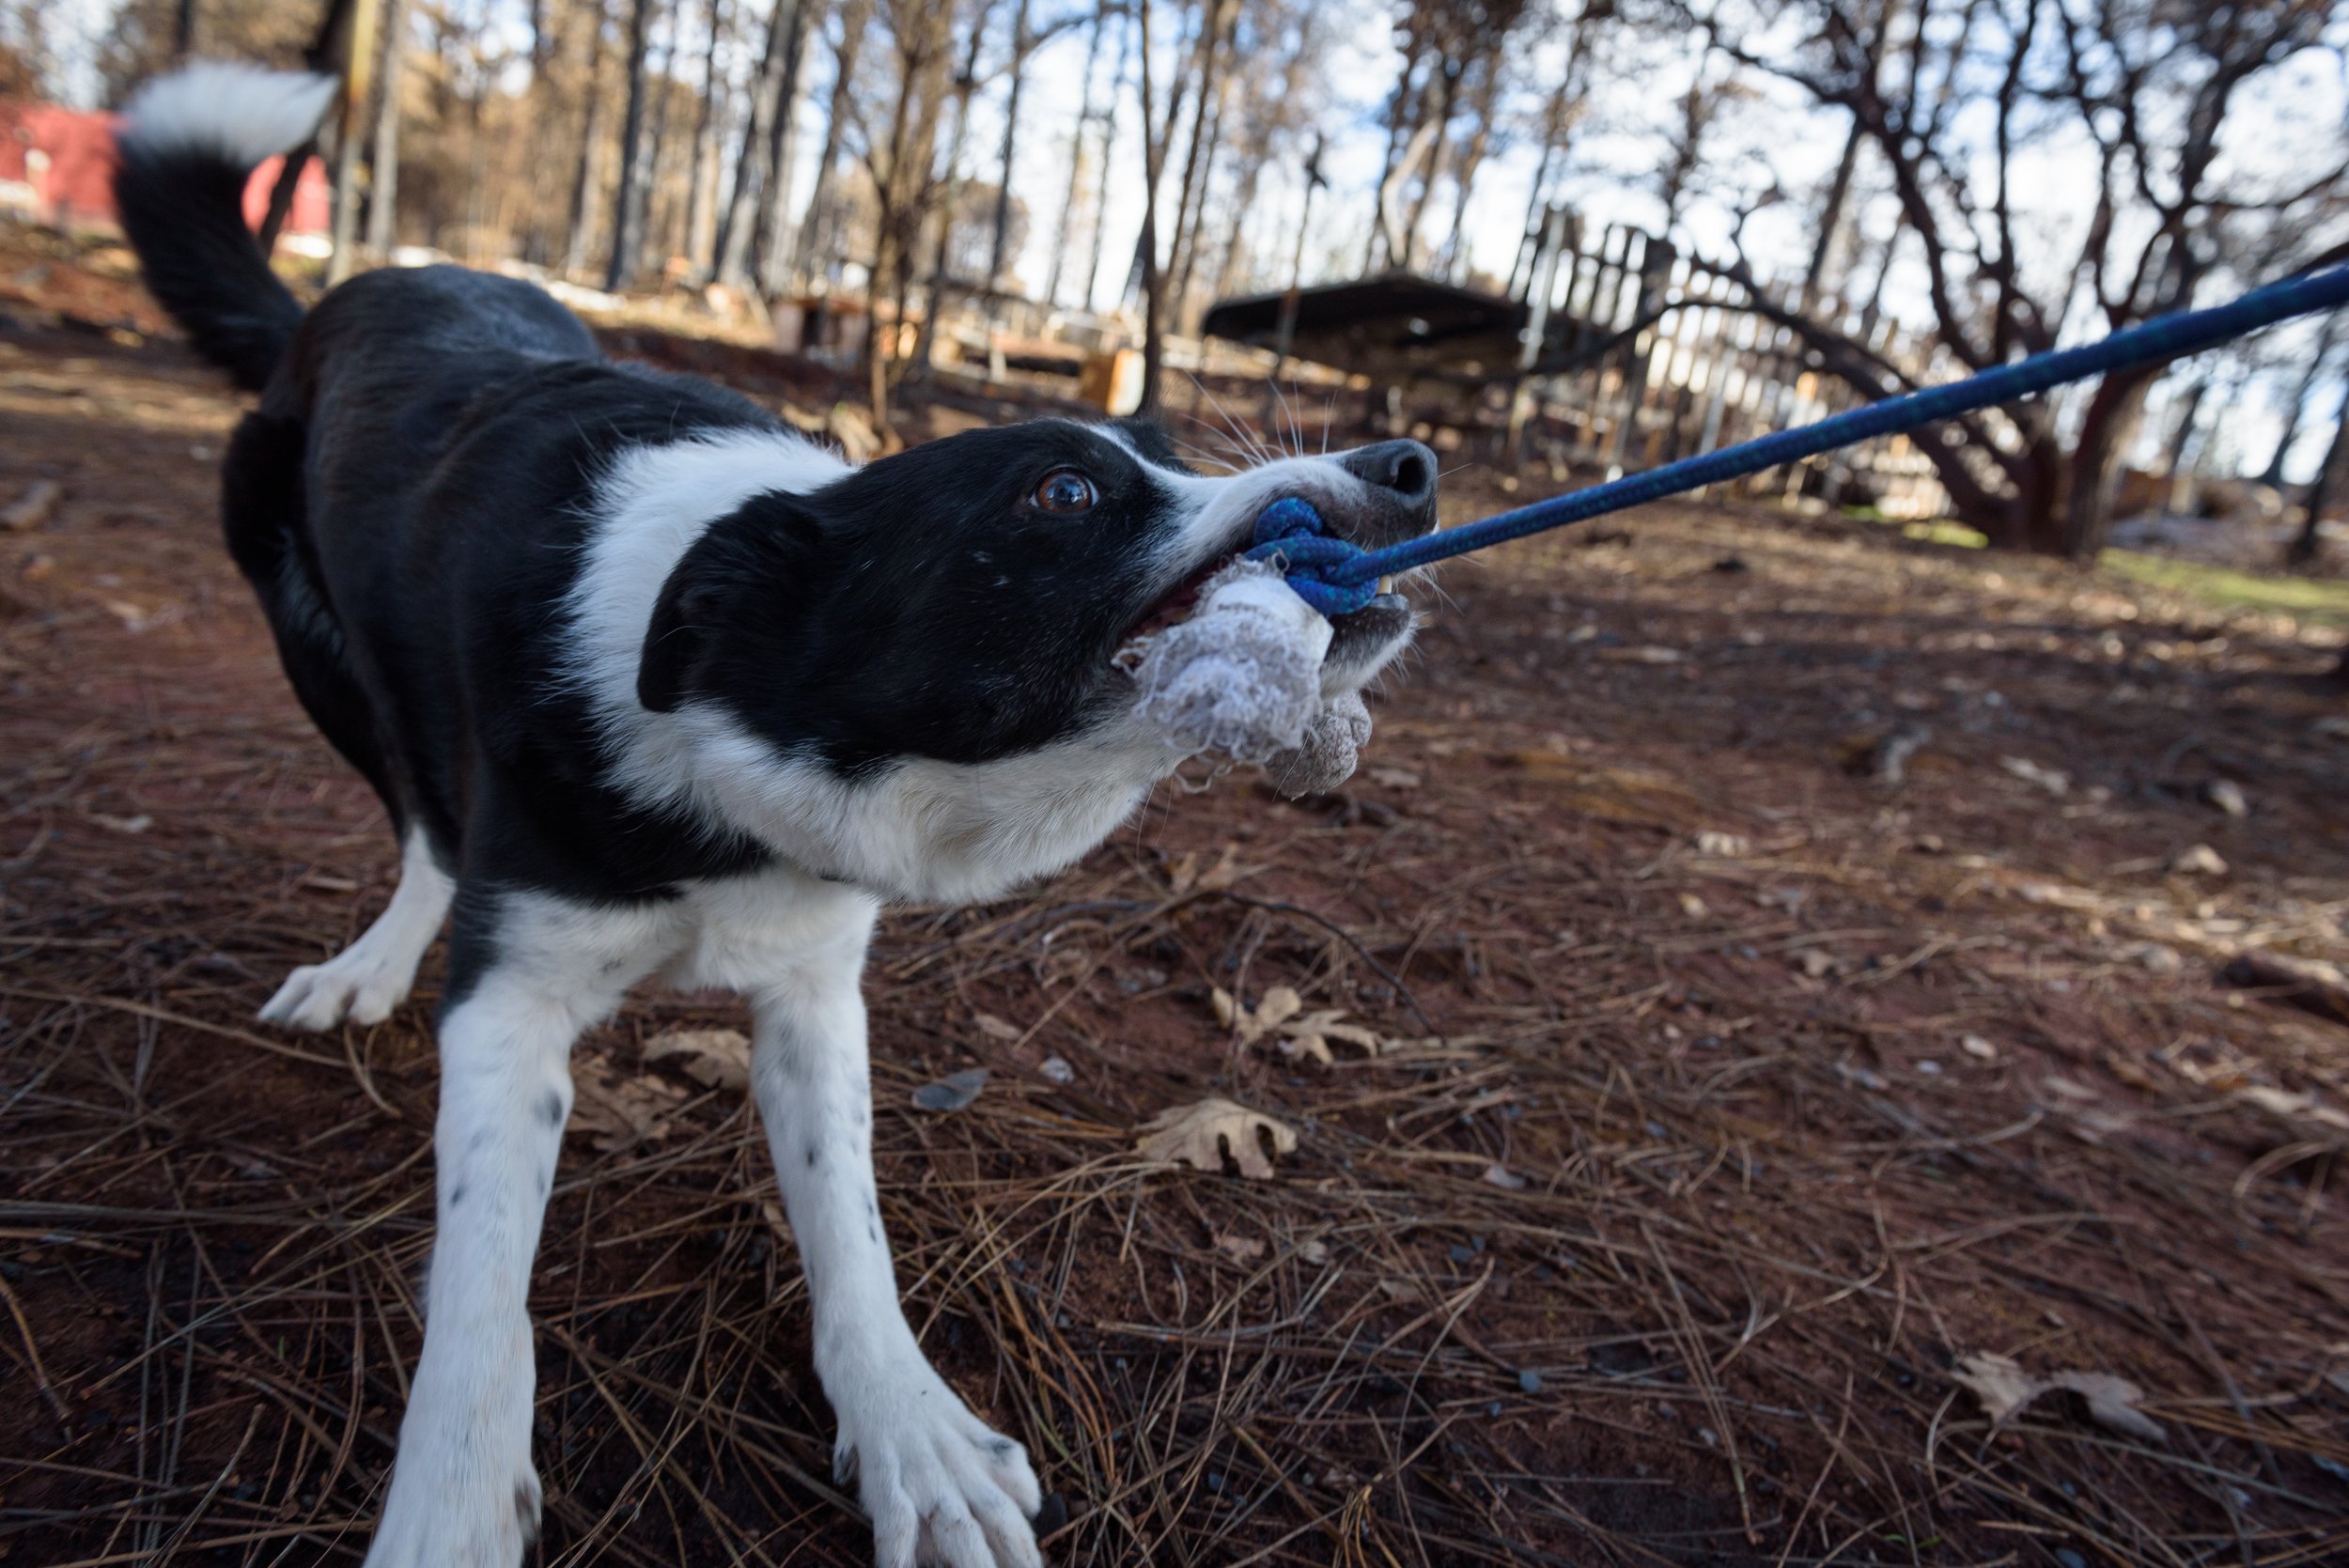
x: 652, y: 685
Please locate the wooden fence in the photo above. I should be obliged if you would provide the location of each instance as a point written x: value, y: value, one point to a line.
x: 1635, y: 355
x: 1638, y: 355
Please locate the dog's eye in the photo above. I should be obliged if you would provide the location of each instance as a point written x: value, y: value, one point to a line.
x: 1063, y: 494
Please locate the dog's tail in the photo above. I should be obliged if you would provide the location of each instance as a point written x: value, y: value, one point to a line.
x: 190, y: 142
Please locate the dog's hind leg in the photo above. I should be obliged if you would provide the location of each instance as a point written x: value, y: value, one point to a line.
x: 940, y: 1486
x: 263, y: 513
x: 366, y: 980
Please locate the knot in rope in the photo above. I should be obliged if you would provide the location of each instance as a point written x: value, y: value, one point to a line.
x: 1291, y: 536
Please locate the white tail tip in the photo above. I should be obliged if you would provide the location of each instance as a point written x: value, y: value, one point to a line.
x: 242, y: 113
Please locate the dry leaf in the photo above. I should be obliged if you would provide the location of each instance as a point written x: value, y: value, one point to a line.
x: 715, y: 1058
x: 1313, y: 1046
x: 954, y: 1092
x: 1197, y: 1135
x: 2201, y: 861
x: 1240, y: 1249
x: 31, y: 509
x: 1728, y: 845
x: 995, y: 1028
x: 1294, y: 1032
x: 1395, y: 778
x: 2155, y: 957
x: 619, y: 1113
x: 2280, y: 1102
x: 1187, y: 878
x: 2002, y: 1385
x: 1504, y: 1178
x: 1332, y: 1024
x: 1691, y: 906
x: 1314, y: 1252
x: 1978, y: 1047
x: 2005, y: 1389
x: 1280, y: 1004
x: 2049, y: 779
x: 1610, y: 794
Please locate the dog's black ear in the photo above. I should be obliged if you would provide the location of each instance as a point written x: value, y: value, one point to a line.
x: 684, y: 623
x: 762, y: 556
x: 1150, y: 439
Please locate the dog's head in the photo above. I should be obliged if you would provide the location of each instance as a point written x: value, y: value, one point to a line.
x: 963, y: 601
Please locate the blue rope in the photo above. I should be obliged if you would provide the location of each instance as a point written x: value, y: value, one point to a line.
x: 1337, y: 578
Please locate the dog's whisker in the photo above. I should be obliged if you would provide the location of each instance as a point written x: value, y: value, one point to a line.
x: 1263, y: 456
x: 1228, y: 433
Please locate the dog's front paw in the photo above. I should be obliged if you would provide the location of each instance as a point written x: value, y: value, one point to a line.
x: 941, y: 1488
x: 358, y: 984
x: 450, y: 1519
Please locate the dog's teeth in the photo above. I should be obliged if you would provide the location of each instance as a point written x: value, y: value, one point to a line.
x: 1386, y: 585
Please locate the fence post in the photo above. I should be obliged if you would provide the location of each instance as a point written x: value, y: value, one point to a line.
x: 1655, y: 267
x: 1538, y: 297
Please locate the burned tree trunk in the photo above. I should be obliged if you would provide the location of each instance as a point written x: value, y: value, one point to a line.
x: 813, y: 252
x: 1021, y: 42
x: 2107, y: 429
x: 1108, y: 166
x: 1153, y: 288
x: 940, y: 212
x: 1471, y: 159
x: 2294, y: 410
x: 651, y: 249
x: 384, y: 160
x: 1076, y: 154
x: 735, y: 220
x: 2303, y: 550
x: 702, y: 192
x: 620, y: 268
x: 1206, y: 130
x: 320, y: 56
x: 772, y: 251
x: 358, y: 73
x: 903, y: 186
x: 590, y: 145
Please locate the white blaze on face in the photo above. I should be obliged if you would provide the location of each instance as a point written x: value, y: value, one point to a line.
x: 1218, y: 512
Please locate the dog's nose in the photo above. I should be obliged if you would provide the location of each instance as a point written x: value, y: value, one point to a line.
x: 1401, y: 478
x: 1404, y: 467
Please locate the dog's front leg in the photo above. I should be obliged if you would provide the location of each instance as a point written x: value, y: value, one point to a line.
x: 940, y: 1486
x: 463, y: 1493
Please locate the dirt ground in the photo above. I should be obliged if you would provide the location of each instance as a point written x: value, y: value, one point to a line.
x: 1703, y: 1098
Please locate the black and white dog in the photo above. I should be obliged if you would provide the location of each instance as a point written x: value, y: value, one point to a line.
x: 652, y: 686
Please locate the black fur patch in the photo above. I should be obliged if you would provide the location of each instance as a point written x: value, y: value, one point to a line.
x: 921, y: 606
